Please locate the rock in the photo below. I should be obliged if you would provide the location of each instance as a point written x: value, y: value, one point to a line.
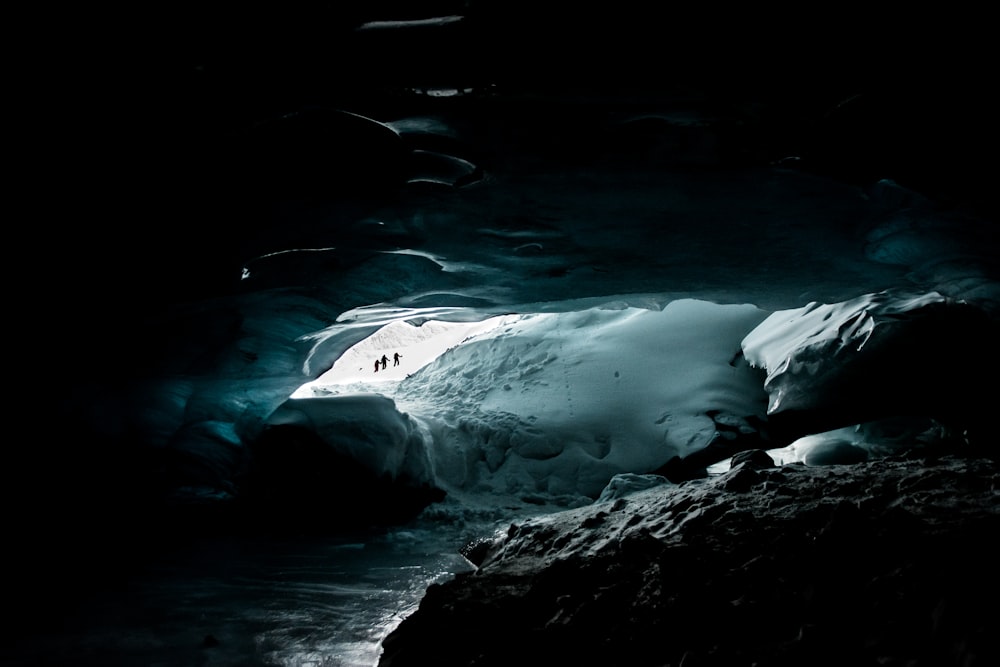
x: 835, y: 453
x: 828, y: 566
x: 757, y: 459
x: 626, y: 483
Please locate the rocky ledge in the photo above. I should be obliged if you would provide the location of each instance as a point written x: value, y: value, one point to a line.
x: 889, y: 562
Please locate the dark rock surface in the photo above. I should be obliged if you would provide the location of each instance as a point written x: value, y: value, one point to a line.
x: 890, y: 562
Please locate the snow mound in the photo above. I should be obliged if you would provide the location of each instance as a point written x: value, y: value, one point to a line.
x: 365, y: 428
x: 556, y: 404
x: 878, y: 356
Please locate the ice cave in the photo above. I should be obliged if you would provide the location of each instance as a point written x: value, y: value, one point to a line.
x: 485, y: 333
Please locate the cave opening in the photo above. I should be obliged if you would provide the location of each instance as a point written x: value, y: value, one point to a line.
x: 393, y: 352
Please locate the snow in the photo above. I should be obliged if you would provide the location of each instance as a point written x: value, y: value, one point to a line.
x: 549, y: 402
x: 550, y: 405
x: 365, y: 427
x: 821, y: 339
x: 416, y: 345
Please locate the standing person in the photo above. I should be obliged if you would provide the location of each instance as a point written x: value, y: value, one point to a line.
x: 376, y: 365
x: 395, y: 358
x: 385, y: 361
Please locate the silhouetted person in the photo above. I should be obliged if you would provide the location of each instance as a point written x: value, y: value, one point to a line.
x: 385, y: 361
x: 395, y: 358
x: 376, y: 365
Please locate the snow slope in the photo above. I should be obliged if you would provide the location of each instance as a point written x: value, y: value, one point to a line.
x: 551, y: 405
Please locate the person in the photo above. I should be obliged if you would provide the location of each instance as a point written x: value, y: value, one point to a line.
x: 385, y: 361
x: 376, y: 365
x: 395, y: 358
